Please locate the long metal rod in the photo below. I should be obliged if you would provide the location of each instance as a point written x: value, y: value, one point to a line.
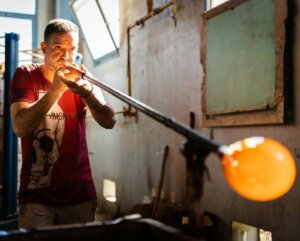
x: 128, y: 61
x: 154, y: 12
x: 10, y: 142
x: 170, y: 122
x: 28, y: 52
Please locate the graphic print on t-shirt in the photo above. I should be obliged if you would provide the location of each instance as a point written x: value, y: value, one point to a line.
x: 47, y: 139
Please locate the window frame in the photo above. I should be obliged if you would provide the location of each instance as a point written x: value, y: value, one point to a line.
x: 208, y: 4
x: 110, y: 55
x: 31, y: 17
x: 283, y: 111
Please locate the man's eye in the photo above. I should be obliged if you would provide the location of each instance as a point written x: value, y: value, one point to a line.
x: 57, y: 47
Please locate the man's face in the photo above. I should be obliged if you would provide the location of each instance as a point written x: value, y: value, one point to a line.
x: 59, y: 49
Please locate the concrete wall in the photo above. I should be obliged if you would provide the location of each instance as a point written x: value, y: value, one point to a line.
x: 46, y: 10
x: 167, y: 74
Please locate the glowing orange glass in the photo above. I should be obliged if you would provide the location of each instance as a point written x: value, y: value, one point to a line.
x: 258, y: 168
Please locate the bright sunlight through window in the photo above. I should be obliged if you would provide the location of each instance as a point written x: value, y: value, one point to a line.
x: 18, y: 6
x: 19, y: 18
x: 213, y: 3
x: 99, y: 22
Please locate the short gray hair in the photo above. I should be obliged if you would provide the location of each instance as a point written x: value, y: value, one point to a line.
x: 59, y: 25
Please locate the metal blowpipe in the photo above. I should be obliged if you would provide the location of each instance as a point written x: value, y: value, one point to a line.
x: 170, y: 122
x: 273, y: 172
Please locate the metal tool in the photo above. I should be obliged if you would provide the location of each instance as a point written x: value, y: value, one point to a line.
x: 170, y: 122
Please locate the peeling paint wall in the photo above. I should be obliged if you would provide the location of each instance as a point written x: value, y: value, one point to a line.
x: 166, y: 75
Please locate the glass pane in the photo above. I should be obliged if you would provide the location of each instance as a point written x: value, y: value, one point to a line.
x: 18, y: 6
x: 245, y: 232
x: 215, y: 3
x: 23, y: 27
x: 112, y: 15
x: 97, y: 36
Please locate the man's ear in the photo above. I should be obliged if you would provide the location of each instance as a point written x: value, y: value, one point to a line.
x: 43, y: 47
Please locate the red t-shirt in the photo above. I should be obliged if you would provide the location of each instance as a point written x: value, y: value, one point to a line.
x: 56, y: 169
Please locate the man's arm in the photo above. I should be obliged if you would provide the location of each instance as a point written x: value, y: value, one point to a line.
x: 26, y: 117
x: 99, y: 109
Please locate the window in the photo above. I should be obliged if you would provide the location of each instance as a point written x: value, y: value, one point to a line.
x: 20, y: 18
x: 245, y: 50
x: 18, y: 6
x: 213, y: 3
x: 245, y: 232
x: 102, y: 36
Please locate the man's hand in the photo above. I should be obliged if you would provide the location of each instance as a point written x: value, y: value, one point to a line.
x: 71, y: 79
x: 71, y: 75
x: 58, y: 85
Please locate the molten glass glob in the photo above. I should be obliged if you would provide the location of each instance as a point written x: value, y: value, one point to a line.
x: 258, y: 168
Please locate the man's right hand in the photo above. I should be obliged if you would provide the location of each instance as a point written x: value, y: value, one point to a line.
x: 58, y: 85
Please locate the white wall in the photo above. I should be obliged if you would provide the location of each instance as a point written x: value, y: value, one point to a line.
x: 166, y: 75
x: 46, y: 10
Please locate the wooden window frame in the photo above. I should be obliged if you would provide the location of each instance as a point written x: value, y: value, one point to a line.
x: 259, y: 116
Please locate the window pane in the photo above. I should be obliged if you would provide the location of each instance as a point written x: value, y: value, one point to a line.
x: 93, y: 28
x: 22, y: 27
x: 18, y: 6
x: 112, y: 15
x: 215, y: 3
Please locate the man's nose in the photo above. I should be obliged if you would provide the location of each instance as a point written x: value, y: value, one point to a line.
x: 66, y: 55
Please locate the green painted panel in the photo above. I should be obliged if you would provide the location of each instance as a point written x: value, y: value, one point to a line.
x: 240, y: 60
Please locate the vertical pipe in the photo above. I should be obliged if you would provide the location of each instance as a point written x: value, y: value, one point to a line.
x: 128, y: 61
x: 10, y: 143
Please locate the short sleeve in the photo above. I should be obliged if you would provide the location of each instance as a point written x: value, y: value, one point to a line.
x: 21, y: 87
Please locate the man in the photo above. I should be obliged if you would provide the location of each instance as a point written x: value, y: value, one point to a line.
x: 48, y: 108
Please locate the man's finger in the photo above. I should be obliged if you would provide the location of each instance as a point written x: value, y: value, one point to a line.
x: 61, y: 75
x: 83, y: 68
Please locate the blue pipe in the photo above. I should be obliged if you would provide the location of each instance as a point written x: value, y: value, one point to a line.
x: 10, y: 141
